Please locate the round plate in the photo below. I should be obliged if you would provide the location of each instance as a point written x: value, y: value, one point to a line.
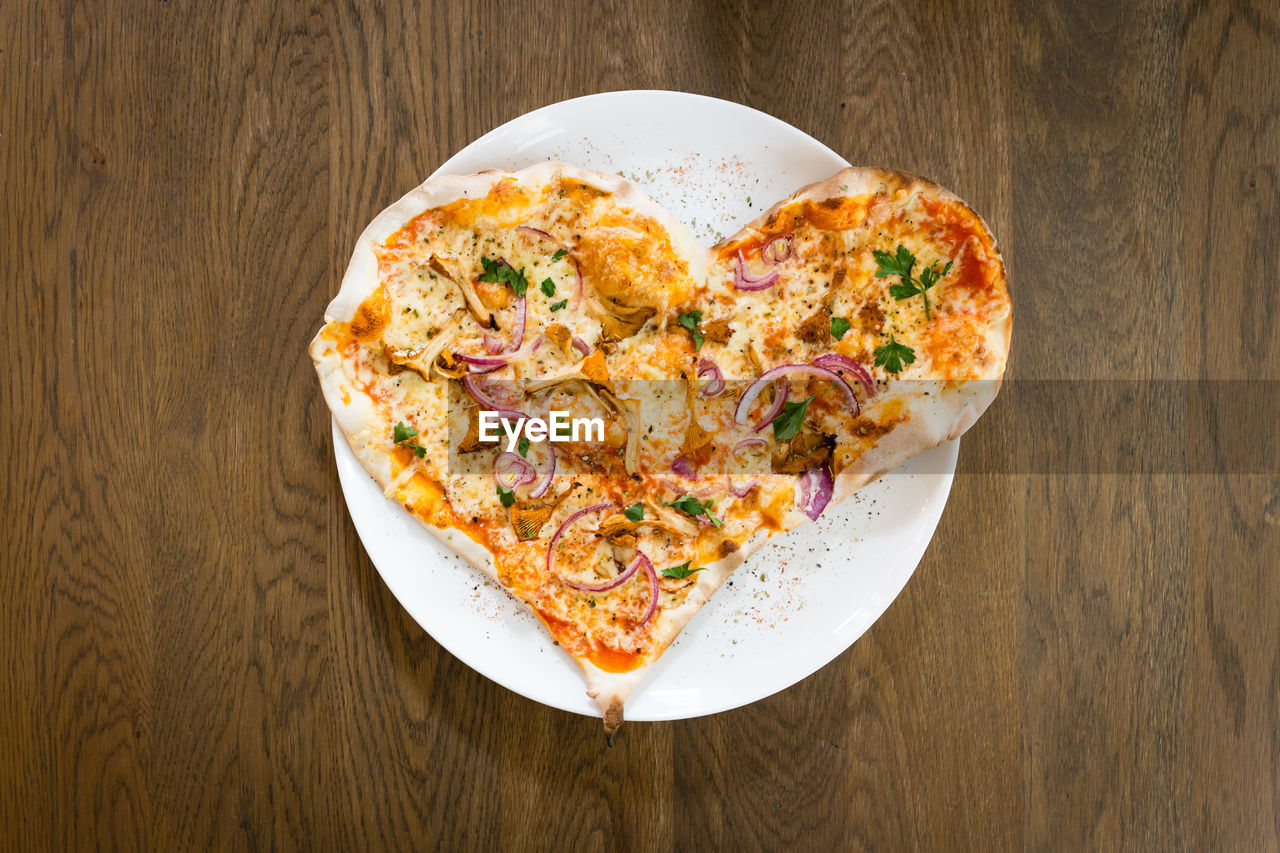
x: 800, y: 600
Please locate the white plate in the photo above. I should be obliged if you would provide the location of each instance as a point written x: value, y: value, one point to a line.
x: 794, y: 605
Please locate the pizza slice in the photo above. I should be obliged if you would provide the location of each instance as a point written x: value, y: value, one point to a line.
x: 548, y: 372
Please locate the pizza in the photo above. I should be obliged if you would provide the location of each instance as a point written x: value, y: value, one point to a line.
x: 547, y: 371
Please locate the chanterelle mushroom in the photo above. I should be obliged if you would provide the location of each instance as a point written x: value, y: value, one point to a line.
x: 528, y: 517
x: 446, y: 267
x: 618, y: 321
x: 696, y: 446
x: 808, y: 449
x: 420, y: 358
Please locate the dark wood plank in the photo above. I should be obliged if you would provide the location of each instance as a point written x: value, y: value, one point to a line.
x: 195, y: 651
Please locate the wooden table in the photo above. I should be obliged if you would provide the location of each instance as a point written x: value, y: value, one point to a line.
x: 197, y: 652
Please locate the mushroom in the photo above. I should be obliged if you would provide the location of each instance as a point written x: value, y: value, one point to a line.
x: 809, y: 449
x: 471, y: 441
x: 816, y: 329
x: 696, y: 446
x: 717, y: 330
x: 618, y: 321
x: 630, y: 411
x: 592, y: 370
x: 420, y: 358
x: 447, y: 268
x: 528, y: 517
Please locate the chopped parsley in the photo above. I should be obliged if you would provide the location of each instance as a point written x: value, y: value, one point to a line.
x: 635, y: 512
x: 690, y: 320
x: 556, y: 306
x: 839, y: 326
x: 681, y: 571
x: 507, y: 496
x: 901, y: 265
x: 893, y: 355
x: 560, y: 253
x: 788, y: 423
x: 523, y: 446
x: 694, y: 507
x: 548, y: 287
x: 403, y: 436
x: 501, y: 271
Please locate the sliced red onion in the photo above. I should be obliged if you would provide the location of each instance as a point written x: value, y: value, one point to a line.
x: 684, y: 468
x: 743, y: 280
x: 743, y: 412
x: 492, y: 345
x: 511, y: 470
x: 564, y: 525
x: 816, y: 488
x: 608, y: 585
x: 754, y: 441
x: 481, y: 394
x: 540, y: 233
x: 710, y: 374
x: 743, y: 491
x: 540, y: 487
x: 581, y: 346
x: 653, y: 588
x: 837, y: 362
x: 786, y: 370
x: 771, y: 254
x: 489, y: 363
x: 577, y: 271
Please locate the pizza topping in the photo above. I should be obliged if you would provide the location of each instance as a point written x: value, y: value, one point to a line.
x: 630, y: 411
x: 784, y: 371
x: 788, y: 423
x: 817, y: 328
x: 446, y: 267
x: 682, y: 466
x: 690, y: 320
x: 742, y: 280
x: 807, y: 449
x: 696, y: 508
x: 543, y: 483
x: 618, y: 321
x: 419, y: 358
x: 528, y: 517
x: 839, y: 363
x: 635, y: 512
x: 510, y: 471
x: 777, y: 249
x: 901, y: 265
x: 653, y: 589
x: 631, y: 569
x: 482, y: 394
x: 712, y: 379
x: 717, y: 330
x: 566, y: 524
x: 893, y: 355
x: 816, y: 488
x: 678, y: 577
x: 403, y: 435
x: 839, y: 326
x: 501, y: 271
x: 488, y: 363
x: 561, y: 251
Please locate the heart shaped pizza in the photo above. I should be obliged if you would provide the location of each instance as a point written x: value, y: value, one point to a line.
x: 547, y: 371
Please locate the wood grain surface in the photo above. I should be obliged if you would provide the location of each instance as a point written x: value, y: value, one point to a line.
x: 195, y: 650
